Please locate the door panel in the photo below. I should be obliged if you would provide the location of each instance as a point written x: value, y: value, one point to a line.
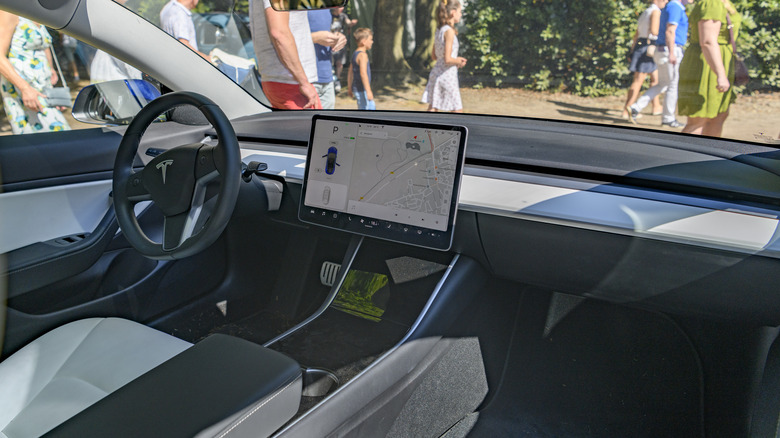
x: 57, y: 158
x: 40, y: 215
x: 48, y: 262
x: 58, y: 232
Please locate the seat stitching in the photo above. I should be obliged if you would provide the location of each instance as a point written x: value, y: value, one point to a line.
x: 250, y: 413
x: 79, y: 345
x: 82, y: 380
x: 56, y: 374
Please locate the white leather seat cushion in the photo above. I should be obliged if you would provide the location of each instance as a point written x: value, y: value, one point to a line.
x: 73, y: 366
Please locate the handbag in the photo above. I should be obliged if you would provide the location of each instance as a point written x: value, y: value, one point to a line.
x: 741, y: 75
x: 58, y: 96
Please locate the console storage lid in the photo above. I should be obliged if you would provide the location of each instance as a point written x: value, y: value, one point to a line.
x: 221, y: 383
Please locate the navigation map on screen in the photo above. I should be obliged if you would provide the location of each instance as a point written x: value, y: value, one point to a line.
x: 386, y: 172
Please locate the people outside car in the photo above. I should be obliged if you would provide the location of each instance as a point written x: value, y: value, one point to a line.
x: 443, y: 90
x: 176, y: 20
x: 325, y: 42
x: 285, y: 55
x: 342, y: 24
x: 641, y: 63
x: 25, y: 73
x: 359, y: 74
x: 673, y: 34
x: 69, y: 46
x: 707, y: 72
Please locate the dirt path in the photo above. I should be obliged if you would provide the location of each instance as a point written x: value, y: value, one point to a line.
x: 752, y: 118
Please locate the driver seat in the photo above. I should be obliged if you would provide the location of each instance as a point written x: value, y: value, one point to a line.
x: 115, y: 377
x: 73, y: 366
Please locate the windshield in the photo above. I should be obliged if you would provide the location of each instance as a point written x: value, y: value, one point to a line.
x: 674, y: 66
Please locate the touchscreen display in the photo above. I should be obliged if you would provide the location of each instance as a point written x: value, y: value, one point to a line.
x: 393, y: 180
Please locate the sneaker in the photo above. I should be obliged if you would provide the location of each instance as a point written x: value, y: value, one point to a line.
x: 672, y: 124
x: 628, y: 116
x: 337, y: 86
x: 634, y: 115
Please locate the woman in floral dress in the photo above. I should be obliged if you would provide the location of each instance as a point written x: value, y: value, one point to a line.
x: 443, y: 91
x: 25, y: 70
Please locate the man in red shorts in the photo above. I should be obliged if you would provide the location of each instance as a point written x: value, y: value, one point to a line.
x: 285, y: 57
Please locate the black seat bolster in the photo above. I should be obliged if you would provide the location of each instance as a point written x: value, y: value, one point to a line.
x: 220, y: 384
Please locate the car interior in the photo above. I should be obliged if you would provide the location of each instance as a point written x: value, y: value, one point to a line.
x: 567, y: 279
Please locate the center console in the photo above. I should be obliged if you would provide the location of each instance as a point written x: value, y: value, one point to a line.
x: 394, y: 186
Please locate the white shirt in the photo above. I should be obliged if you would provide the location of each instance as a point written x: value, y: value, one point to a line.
x: 176, y: 20
x: 643, y: 24
x: 269, y: 65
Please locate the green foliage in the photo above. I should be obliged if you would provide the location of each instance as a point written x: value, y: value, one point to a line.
x: 759, y: 41
x: 149, y: 9
x: 582, y: 46
x: 241, y: 6
x: 578, y: 46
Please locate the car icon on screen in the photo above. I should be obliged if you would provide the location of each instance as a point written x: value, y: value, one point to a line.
x: 330, y: 162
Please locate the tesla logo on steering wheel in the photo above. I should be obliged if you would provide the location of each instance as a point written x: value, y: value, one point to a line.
x: 163, y: 165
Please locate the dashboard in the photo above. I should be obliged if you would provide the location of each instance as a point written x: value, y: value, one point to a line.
x: 616, y: 193
x: 643, y: 217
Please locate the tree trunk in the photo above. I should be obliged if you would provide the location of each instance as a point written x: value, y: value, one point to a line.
x: 388, y: 66
x: 425, y: 31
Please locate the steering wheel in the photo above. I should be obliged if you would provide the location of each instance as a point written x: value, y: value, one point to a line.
x: 176, y: 182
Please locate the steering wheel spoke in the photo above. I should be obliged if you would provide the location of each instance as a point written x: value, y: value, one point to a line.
x: 174, y: 233
x: 178, y: 228
x: 136, y: 192
x: 207, y: 167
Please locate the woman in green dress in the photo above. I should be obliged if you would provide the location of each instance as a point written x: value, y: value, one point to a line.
x: 707, y: 70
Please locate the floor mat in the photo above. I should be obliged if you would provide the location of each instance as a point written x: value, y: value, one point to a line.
x: 598, y: 370
x: 340, y: 342
x: 260, y: 299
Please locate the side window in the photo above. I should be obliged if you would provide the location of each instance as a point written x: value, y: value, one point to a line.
x: 217, y: 30
x: 55, y: 67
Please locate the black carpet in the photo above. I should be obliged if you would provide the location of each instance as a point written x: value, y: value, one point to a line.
x: 601, y: 371
x: 341, y: 343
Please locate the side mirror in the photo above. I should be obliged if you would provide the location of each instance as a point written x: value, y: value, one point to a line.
x: 303, y: 5
x: 114, y: 102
